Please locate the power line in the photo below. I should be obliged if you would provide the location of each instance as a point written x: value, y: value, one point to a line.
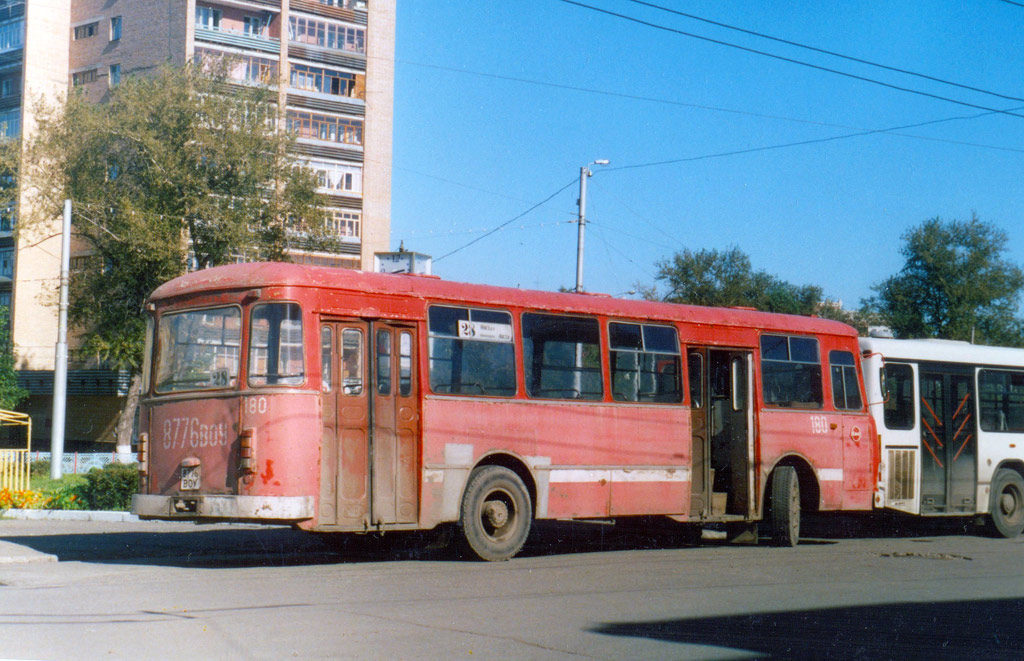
x: 711, y: 108
x: 780, y: 146
x: 789, y: 59
x: 508, y: 222
x: 827, y: 52
x: 1011, y: 2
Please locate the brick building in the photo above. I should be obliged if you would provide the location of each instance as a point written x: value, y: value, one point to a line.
x: 331, y: 63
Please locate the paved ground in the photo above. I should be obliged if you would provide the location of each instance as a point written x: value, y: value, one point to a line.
x: 175, y: 591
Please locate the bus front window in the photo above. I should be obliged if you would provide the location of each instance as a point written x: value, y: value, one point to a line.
x: 275, y: 345
x: 199, y: 349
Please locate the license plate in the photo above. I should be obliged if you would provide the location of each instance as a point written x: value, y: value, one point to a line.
x: 190, y: 478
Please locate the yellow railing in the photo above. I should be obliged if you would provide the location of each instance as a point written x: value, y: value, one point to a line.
x: 14, y: 464
x: 14, y: 469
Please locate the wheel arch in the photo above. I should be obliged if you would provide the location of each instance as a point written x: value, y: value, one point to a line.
x: 1010, y: 464
x: 810, y: 491
x: 515, y: 464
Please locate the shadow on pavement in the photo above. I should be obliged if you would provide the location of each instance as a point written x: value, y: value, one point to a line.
x: 988, y: 629
x: 275, y: 546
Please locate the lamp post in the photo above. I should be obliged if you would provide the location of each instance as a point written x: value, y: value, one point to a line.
x: 582, y: 222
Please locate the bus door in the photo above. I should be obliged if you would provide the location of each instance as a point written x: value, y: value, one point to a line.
x: 948, y: 441
x: 721, y: 437
x: 369, y: 458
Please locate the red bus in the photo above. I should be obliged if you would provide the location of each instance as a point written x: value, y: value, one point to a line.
x: 340, y: 400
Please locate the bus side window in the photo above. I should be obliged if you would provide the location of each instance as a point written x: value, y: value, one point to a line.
x: 326, y: 343
x: 696, y: 364
x: 383, y: 362
x: 352, y: 361
x: 405, y: 363
x: 898, y: 386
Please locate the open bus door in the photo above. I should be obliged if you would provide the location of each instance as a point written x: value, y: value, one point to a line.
x: 369, y: 452
x: 722, y: 438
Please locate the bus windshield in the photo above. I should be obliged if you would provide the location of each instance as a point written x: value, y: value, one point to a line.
x: 199, y: 349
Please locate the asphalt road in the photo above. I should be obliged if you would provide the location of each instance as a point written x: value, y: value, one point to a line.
x: 851, y: 590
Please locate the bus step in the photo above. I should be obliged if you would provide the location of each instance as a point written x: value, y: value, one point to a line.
x: 718, y: 502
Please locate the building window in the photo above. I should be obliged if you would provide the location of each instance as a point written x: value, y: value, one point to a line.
x: 338, y: 177
x: 325, y: 81
x: 327, y: 35
x: 344, y: 222
x: 115, y: 74
x: 12, y: 34
x: 5, y: 87
x: 243, y: 68
x: 345, y: 4
x: 83, y: 77
x: 208, y: 17
x: 115, y: 28
x: 86, y: 31
x: 7, y: 262
x: 253, y: 26
x: 325, y: 127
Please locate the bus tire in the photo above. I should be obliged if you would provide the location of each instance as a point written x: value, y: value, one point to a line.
x: 496, y: 513
x: 784, y: 508
x: 1007, y: 503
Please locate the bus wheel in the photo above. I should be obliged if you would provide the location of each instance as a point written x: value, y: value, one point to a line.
x: 1007, y: 505
x: 784, y: 507
x: 496, y: 513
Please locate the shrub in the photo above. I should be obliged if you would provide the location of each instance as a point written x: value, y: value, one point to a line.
x: 110, y: 487
x: 64, y: 497
x: 39, y: 468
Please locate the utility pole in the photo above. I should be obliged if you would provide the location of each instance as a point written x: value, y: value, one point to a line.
x: 60, y: 371
x: 582, y: 221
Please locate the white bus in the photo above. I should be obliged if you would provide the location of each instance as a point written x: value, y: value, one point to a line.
x: 950, y: 420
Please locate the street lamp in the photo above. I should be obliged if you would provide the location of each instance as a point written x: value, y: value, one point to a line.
x: 582, y: 222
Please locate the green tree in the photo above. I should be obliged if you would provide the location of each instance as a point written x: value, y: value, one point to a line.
x: 174, y: 168
x: 956, y: 284
x: 10, y: 394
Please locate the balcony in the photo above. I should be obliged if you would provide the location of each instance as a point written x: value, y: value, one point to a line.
x: 238, y: 39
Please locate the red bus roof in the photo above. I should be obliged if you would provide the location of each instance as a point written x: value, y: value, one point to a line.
x: 276, y: 274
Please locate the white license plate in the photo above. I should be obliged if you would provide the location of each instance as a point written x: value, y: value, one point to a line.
x: 190, y: 478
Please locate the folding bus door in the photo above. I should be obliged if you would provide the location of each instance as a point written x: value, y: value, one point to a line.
x: 949, y: 441
x: 369, y: 457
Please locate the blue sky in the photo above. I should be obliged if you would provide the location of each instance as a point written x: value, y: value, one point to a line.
x: 474, y: 148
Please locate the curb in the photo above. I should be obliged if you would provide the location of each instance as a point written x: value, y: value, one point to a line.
x: 67, y: 515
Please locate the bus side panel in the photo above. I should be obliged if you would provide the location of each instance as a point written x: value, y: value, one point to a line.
x: 589, y: 460
x: 816, y: 437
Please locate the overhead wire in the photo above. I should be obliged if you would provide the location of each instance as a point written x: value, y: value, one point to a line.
x: 825, y: 51
x: 782, y: 58
x: 507, y: 222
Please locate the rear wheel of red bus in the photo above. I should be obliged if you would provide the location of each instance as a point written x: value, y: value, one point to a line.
x: 784, y: 514
x: 496, y: 513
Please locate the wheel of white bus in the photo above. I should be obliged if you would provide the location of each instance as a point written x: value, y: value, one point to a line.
x: 496, y: 513
x: 1007, y: 506
x: 785, y: 507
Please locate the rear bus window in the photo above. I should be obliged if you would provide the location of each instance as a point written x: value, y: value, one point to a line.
x: 199, y: 349
x: 275, y: 345
x: 471, y: 352
x: 791, y: 371
x: 562, y: 357
x: 645, y: 363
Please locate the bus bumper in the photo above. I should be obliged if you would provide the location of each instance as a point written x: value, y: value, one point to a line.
x: 242, y: 508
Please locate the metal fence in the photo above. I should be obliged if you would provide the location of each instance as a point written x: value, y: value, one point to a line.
x: 14, y: 469
x: 79, y: 462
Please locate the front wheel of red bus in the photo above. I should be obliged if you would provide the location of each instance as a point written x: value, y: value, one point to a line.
x: 784, y: 507
x: 496, y: 513
x: 1007, y: 504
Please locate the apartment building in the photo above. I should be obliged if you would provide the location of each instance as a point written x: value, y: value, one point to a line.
x: 331, y: 64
